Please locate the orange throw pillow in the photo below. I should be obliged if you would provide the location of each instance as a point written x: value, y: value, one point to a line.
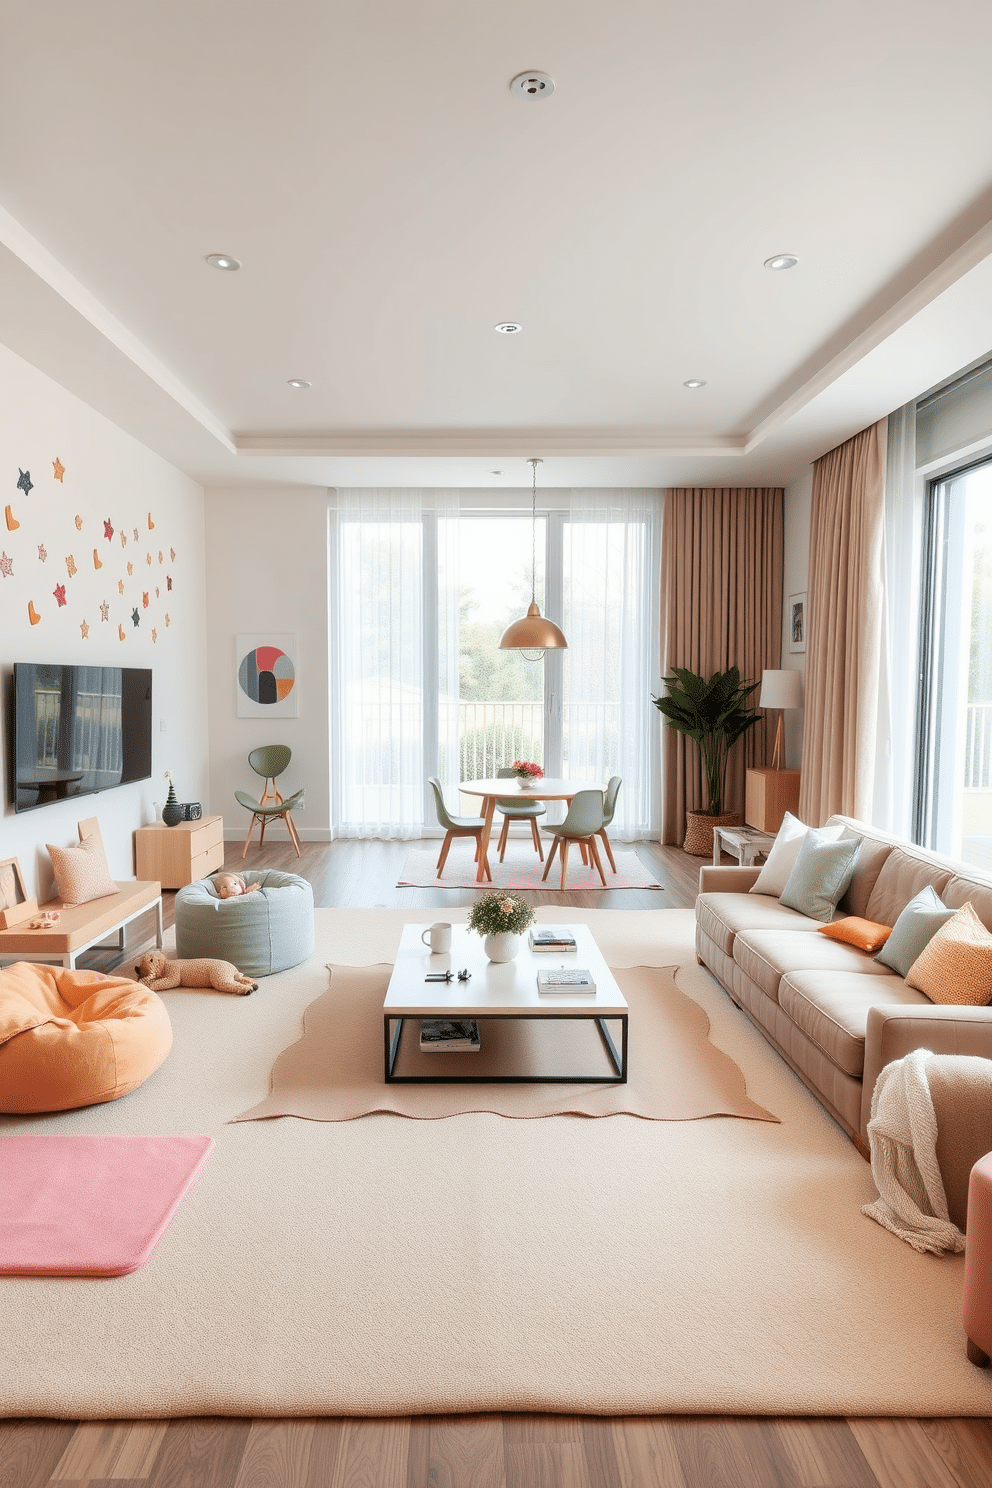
x: 867, y: 935
x: 956, y: 966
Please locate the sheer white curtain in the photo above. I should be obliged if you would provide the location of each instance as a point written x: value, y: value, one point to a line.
x: 394, y: 657
x: 610, y: 615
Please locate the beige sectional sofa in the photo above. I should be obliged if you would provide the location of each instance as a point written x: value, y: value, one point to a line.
x: 834, y: 1013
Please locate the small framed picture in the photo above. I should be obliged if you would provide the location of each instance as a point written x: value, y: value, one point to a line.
x: 797, y: 622
x: 15, y: 905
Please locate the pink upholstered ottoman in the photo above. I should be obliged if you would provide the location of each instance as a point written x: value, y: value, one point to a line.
x: 978, y: 1263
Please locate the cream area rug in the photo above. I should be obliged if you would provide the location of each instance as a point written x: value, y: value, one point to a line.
x: 386, y: 1266
x: 335, y: 1071
x: 521, y: 868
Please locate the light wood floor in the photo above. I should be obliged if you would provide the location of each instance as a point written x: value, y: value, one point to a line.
x: 498, y: 1451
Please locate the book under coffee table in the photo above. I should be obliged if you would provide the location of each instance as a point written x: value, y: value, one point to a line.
x: 499, y: 993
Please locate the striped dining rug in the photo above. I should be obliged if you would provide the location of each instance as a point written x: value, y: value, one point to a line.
x: 521, y: 868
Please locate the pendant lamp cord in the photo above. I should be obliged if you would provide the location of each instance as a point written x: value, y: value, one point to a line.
x: 533, y: 532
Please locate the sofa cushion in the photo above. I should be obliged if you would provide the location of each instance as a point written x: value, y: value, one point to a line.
x: 866, y: 870
x: 955, y: 967
x: 913, y: 930
x: 903, y: 874
x: 723, y: 916
x: 767, y: 955
x: 820, y: 874
x: 855, y: 931
x: 831, y: 1009
x: 959, y: 891
x: 783, y: 853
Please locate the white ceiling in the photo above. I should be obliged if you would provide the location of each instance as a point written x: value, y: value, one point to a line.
x: 391, y: 201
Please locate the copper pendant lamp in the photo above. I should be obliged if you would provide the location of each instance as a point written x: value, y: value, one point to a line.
x: 533, y: 635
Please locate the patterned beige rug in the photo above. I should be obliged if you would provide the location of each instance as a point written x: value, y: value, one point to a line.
x: 335, y: 1071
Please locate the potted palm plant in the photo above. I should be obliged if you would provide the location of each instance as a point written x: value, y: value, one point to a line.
x: 715, y: 714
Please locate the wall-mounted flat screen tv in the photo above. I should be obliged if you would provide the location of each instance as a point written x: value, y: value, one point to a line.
x: 78, y: 729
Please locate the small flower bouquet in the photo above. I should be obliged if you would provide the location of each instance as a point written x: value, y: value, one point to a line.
x: 527, y: 772
x: 497, y: 912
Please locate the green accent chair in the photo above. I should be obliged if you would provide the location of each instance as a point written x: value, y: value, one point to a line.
x: 456, y: 826
x: 516, y: 809
x: 609, y: 806
x: 582, y: 824
x: 269, y: 762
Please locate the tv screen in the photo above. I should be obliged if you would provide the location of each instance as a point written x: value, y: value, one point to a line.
x: 79, y: 729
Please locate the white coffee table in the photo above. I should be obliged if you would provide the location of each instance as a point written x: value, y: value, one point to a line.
x: 507, y: 990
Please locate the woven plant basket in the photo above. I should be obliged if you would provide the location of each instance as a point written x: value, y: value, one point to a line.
x: 699, y: 830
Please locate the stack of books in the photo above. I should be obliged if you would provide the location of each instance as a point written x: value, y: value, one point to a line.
x: 543, y: 938
x: 565, y: 983
x: 449, y: 1036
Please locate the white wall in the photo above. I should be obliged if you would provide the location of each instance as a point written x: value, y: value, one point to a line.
x: 108, y: 476
x: 266, y: 556
x: 798, y: 503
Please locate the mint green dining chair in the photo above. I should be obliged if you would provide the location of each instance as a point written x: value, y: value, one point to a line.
x: 609, y: 806
x: 456, y: 826
x: 583, y: 821
x: 516, y: 809
x: 269, y: 761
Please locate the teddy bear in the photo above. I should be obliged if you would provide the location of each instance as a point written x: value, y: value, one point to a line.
x: 161, y: 975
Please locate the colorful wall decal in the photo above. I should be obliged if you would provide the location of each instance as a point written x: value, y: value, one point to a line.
x: 108, y: 530
x: 59, y: 593
x: 121, y: 633
x: 136, y: 534
x: 123, y: 538
x: 25, y: 483
x: 135, y: 618
x: 130, y: 570
x: 172, y: 552
x: 42, y: 553
x: 12, y: 522
x: 120, y: 586
x: 168, y: 583
x: 84, y: 630
x: 144, y: 600
x: 70, y: 564
x: 148, y: 559
x: 266, y: 676
x: 154, y: 635
x: 33, y: 615
x: 151, y: 524
x: 97, y: 563
x: 167, y: 620
x: 79, y: 523
x: 104, y: 610
x: 58, y: 469
x: 6, y: 565
x: 160, y: 557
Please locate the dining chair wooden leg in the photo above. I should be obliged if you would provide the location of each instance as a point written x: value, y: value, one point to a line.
x: 563, y: 849
x: 503, y: 836
x: 485, y: 862
x: 594, y: 854
x: 445, y: 847
x: 551, y: 857
x: 537, y: 838
x: 251, y: 828
x: 261, y: 835
x: 294, y: 835
x: 609, y: 850
x: 584, y: 853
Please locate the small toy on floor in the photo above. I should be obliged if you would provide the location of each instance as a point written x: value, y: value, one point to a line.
x: 154, y: 970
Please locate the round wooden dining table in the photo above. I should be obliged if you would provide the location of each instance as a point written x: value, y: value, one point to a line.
x: 546, y: 789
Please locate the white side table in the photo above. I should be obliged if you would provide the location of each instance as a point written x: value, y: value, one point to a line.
x: 746, y: 844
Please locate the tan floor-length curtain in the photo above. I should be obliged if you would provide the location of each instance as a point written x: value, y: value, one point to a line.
x: 721, y: 606
x: 844, y: 628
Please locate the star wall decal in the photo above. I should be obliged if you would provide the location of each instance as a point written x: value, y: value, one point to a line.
x: 84, y: 630
x: 160, y: 556
x: 167, y: 620
x: 104, y: 610
x: 168, y: 582
x: 70, y: 564
x: 173, y: 553
x: 136, y: 534
x: 144, y: 600
x: 156, y: 591
x: 58, y: 469
x: 25, y: 483
x: 154, y: 635
x: 123, y: 537
x: 108, y: 530
x: 135, y: 618
x: 130, y: 570
x: 6, y: 565
x: 42, y: 552
x: 120, y: 586
x: 148, y: 559
x: 59, y: 593
x: 79, y: 524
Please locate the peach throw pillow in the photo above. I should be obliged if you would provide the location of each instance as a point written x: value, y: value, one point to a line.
x: 867, y: 935
x: 81, y: 872
x: 956, y: 966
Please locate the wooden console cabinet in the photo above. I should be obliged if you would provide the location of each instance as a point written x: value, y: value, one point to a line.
x: 768, y: 795
x: 181, y: 854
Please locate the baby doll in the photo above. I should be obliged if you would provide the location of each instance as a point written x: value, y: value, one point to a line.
x: 230, y: 885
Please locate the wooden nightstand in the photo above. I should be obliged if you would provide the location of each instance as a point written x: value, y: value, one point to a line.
x: 181, y: 854
x: 768, y: 795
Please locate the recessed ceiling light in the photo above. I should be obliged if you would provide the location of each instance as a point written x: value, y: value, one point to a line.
x: 508, y: 327
x: 695, y: 382
x: 782, y: 261
x: 532, y: 85
x: 223, y: 261
x: 298, y: 382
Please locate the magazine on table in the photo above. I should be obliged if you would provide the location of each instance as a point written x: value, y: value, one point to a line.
x: 543, y: 938
x: 449, y: 1035
x: 565, y: 983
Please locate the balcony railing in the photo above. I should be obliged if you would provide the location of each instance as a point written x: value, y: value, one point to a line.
x: 978, y: 747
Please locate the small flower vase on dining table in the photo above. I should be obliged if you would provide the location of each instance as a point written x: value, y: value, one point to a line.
x: 501, y: 947
x: 526, y: 782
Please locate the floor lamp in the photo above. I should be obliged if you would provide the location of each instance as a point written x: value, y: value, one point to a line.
x: 780, y: 690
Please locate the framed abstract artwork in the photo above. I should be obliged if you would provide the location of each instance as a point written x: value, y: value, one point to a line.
x: 797, y: 622
x: 266, y: 678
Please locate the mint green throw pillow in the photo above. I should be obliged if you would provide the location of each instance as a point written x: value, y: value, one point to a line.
x: 820, y: 874
x: 914, y: 930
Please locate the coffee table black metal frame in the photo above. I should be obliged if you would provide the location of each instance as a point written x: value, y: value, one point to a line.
x: 392, y: 1037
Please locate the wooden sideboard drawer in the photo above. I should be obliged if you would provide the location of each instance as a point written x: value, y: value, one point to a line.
x: 178, y: 855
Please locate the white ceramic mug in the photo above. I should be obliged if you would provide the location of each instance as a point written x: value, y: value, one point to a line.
x: 440, y: 937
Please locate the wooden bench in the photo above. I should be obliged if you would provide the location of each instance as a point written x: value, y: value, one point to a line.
x: 81, y: 926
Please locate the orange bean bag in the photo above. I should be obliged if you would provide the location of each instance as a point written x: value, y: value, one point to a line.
x: 75, y: 1038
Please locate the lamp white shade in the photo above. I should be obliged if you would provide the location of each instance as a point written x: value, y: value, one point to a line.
x: 781, y: 690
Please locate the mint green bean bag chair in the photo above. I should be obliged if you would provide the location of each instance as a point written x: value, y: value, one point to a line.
x: 260, y: 933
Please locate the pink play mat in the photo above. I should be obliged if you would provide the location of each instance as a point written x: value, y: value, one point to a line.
x: 90, y: 1206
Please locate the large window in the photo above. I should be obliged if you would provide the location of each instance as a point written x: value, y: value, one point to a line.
x: 420, y: 686
x: 955, y: 807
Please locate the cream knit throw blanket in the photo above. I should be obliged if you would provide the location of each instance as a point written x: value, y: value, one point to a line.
x: 902, y: 1135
